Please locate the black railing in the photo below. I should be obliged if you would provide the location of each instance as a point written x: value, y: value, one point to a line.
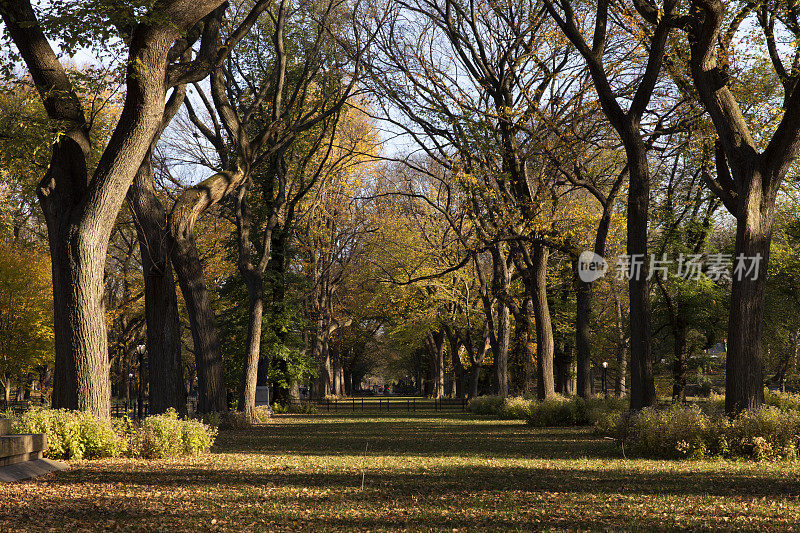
x: 20, y: 406
x: 386, y: 404
x: 369, y: 403
x: 131, y: 410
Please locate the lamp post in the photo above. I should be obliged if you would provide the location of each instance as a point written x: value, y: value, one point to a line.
x: 130, y: 392
x: 605, y: 370
x: 140, y: 350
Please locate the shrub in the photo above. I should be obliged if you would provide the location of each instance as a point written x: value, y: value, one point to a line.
x: 263, y: 413
x: 485, y: 405
x: 166, y: 435
x: 558, y: 411
x: 766, y: 433
x: 675, y: 432
x: 71, y: 434
x: 682, y: 431
x: 81, y: 435
x: 515, y: 409
x: 197, y: 437
x: 302, y: 408
x: 785, y: 401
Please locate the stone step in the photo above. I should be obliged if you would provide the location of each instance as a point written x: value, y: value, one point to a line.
x: 21, y: 455
x: 29, y: 469
x: 19, y: 448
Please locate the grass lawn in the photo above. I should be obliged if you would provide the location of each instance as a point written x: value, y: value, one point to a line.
x: 421, y: 472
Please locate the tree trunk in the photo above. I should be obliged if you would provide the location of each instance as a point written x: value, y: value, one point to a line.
x: 80, y: 212
x: 476, y: 359
x: 160, y: 301
x: 203, y: 324
x: 82, y: 372
x: 500, y: 287
x: 501, y: 357
x: 582, y: 316
x: 545, y: 385
x: 643, y: 393
x: 326, y: 373
x: 456, y: 348
x: 679, y: 368
x: 434, y: 342
x: 583, y: 311
x: 6, y: 382
x: 255, y: 296
x: 744, y: 386
x: 622, y: 359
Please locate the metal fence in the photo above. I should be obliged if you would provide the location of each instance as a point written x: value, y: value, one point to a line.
x: 386, y: 404
x: 18, y: 407
x: 373, y: 404
x: 120, y: 410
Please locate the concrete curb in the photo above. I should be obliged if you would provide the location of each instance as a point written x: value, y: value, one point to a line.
x: 30, y: 469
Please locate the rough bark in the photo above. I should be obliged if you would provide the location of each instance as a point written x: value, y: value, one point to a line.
x: 502, y: 328
x: 167, y: 389
x: 545, y: 384
x: 622, y: 349
x: 744, y: 385
x: 255, y: 297
x: 202, y: 323
x: 582, y: 316
x: 80, y: 212
x: 747, y: 182
x: 643, y: 392
x: 434, y: 343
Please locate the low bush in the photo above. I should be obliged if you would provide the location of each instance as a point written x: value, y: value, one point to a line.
x: 71, y: 434
x: 576, y: 411
x: 81, y: 435
x: 558, y: 411
x: 515, y: 409
x: 485, y: 405
x: 766, y: 433
x: 263, y: 413
x: 164, y: 436
x: 686, y: 431
x: 785, y: 401
x: 302, y: 408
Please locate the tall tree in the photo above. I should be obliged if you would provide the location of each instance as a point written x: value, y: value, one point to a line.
x: 748, y: 173
x: 627, y: 124
x: 80, y: 203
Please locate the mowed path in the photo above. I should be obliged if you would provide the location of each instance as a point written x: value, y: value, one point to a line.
x: 420, y: 472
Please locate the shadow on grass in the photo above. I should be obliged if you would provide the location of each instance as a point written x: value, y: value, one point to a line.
x: 458, y: 481
x: 414, y: 479
x: 427, y: 436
